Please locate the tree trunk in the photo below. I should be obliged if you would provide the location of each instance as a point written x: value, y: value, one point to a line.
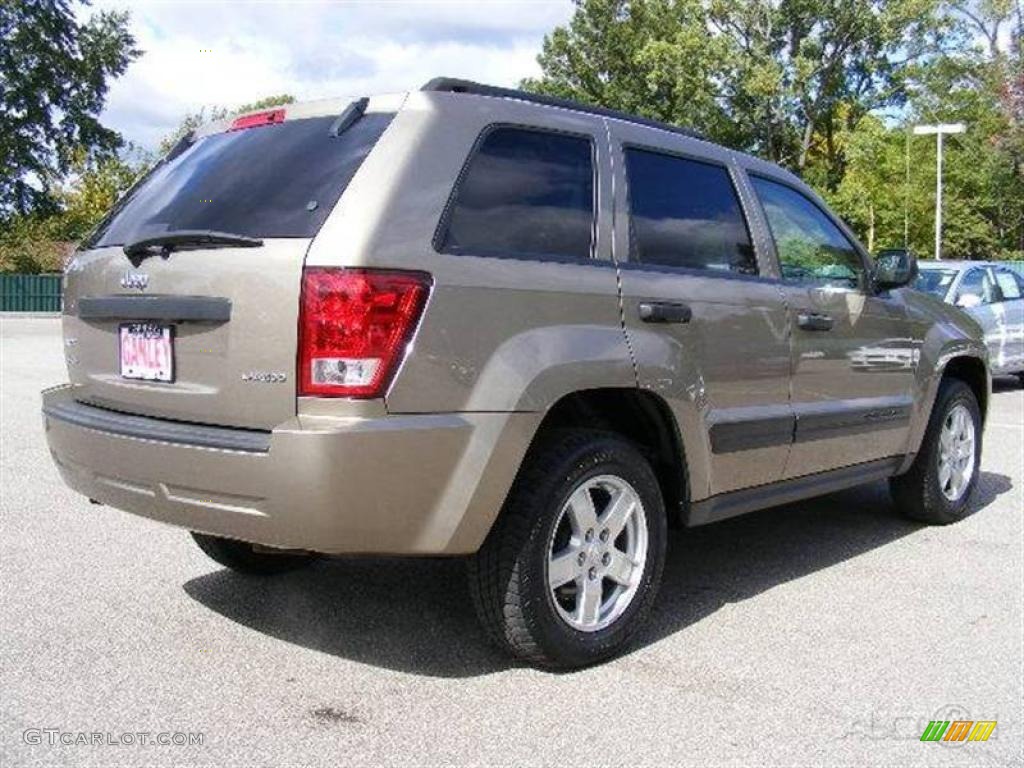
x: 805, y: 144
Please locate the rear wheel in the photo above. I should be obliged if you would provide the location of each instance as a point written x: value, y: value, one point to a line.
x: 243, y: 557
x: 571, y: 568
x: 938, y: 487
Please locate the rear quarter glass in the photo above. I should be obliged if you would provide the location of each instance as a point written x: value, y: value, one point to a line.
x: 267, y: 181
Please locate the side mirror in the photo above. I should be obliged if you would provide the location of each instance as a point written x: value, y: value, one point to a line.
x: 968, y: 300
x: 894, y: 269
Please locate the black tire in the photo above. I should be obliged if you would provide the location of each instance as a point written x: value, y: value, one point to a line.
x: 508, y: 576
x: 918, y: 493
x: 240, y: 556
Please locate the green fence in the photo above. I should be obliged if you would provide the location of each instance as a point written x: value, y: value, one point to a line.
x: 30, y: 293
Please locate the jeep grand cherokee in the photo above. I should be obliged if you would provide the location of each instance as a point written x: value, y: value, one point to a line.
x: 468, y: 321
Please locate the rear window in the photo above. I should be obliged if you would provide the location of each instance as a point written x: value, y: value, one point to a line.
x: 525, y: 193
x: 270, y: 181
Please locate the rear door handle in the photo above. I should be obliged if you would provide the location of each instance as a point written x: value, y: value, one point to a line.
x: 664, y: 312
x: 814, y: 321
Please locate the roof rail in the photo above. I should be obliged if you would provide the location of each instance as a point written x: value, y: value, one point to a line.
x: 455, y: 85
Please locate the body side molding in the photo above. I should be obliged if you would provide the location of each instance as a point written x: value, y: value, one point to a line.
x: 735, y: 503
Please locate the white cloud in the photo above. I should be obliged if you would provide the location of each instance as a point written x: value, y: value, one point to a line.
x: 227, y: 53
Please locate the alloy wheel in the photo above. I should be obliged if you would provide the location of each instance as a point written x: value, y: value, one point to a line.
x: 956, y: 452
x: 597, y: 553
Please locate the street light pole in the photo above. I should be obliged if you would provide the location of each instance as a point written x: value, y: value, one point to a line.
x: 939, y: 131
x: 938, y: 196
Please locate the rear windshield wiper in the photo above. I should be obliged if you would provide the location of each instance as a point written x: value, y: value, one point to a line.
x: 187, y: 238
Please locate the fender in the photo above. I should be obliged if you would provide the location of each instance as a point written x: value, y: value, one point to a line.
x: 949, y: 334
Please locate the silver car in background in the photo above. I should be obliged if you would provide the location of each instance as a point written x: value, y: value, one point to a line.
x: 993, y: 294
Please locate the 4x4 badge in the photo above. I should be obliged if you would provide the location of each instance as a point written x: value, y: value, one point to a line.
x: 135, y: 280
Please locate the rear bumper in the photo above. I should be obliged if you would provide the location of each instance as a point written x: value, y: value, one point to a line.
x: 415, y: 485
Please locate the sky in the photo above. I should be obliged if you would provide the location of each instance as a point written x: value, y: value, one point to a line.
x: 229, y: 52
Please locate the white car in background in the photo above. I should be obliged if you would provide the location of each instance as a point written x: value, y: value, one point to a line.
x: 993, y: 294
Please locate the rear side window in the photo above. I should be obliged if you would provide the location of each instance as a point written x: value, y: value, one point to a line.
x: 685, y: 213
x: 1009, y: 284
x: 269, y: 181
x: 525, y: 193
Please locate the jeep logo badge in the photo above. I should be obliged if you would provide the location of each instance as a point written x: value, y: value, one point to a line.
x: 135, y: 280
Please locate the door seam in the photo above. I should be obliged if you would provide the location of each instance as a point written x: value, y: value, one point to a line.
x: 614, y: 255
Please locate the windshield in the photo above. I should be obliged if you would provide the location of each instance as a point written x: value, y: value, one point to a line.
x: 269, y: 181
x: 935, y: 281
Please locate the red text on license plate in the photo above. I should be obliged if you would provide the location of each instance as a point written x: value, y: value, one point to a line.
x: 147, y: 351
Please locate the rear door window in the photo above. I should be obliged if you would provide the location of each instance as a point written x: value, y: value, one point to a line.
x: 685, y: 213
x: 1009, y: 284
x: 268, y: 181
x: 525, y: 193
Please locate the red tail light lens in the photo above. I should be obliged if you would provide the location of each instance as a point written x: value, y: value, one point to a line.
x: 354, y: 327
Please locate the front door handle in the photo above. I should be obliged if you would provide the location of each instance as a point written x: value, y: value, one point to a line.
x: 814, y: 321
x: 664, y: 312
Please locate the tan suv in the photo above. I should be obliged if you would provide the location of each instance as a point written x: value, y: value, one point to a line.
x: 468, y: 321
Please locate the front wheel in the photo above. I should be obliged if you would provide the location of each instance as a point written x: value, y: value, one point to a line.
x: 571, y: 568
x: 937, y: 489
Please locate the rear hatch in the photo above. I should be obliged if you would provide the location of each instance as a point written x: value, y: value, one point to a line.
x: 184, y: 302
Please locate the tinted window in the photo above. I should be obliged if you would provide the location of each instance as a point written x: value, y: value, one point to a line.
x: 812, y: 250
x: 1009, y: 284
x: 525, y: 193
x: 686, y: 214
x: 935, y: 281
x: 975, y: 289
x: 270, y: 181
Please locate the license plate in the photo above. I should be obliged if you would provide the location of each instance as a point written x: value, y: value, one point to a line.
x: 147, y: 351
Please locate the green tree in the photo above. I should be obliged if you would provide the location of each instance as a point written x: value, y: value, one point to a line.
x: 887, y: 193
x: 40, y: 241
x: 873, y: 194
x: 54, y: 75
x: 649, y: 57
x: 782, y: 79
x: 92, y: 191
x: 983, y: 184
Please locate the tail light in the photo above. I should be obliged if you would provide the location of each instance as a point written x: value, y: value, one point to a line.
x: 354, y: 326
x: 270, y: 117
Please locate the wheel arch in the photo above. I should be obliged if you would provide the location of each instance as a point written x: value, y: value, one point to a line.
x: 964, y: 362
x: 640, y: 416
x: 972, y: 372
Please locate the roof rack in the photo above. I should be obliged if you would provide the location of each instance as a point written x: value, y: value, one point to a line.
x: 455, y: 85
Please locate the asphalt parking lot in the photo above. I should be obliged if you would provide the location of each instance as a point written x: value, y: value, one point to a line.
x: 826, y: 633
